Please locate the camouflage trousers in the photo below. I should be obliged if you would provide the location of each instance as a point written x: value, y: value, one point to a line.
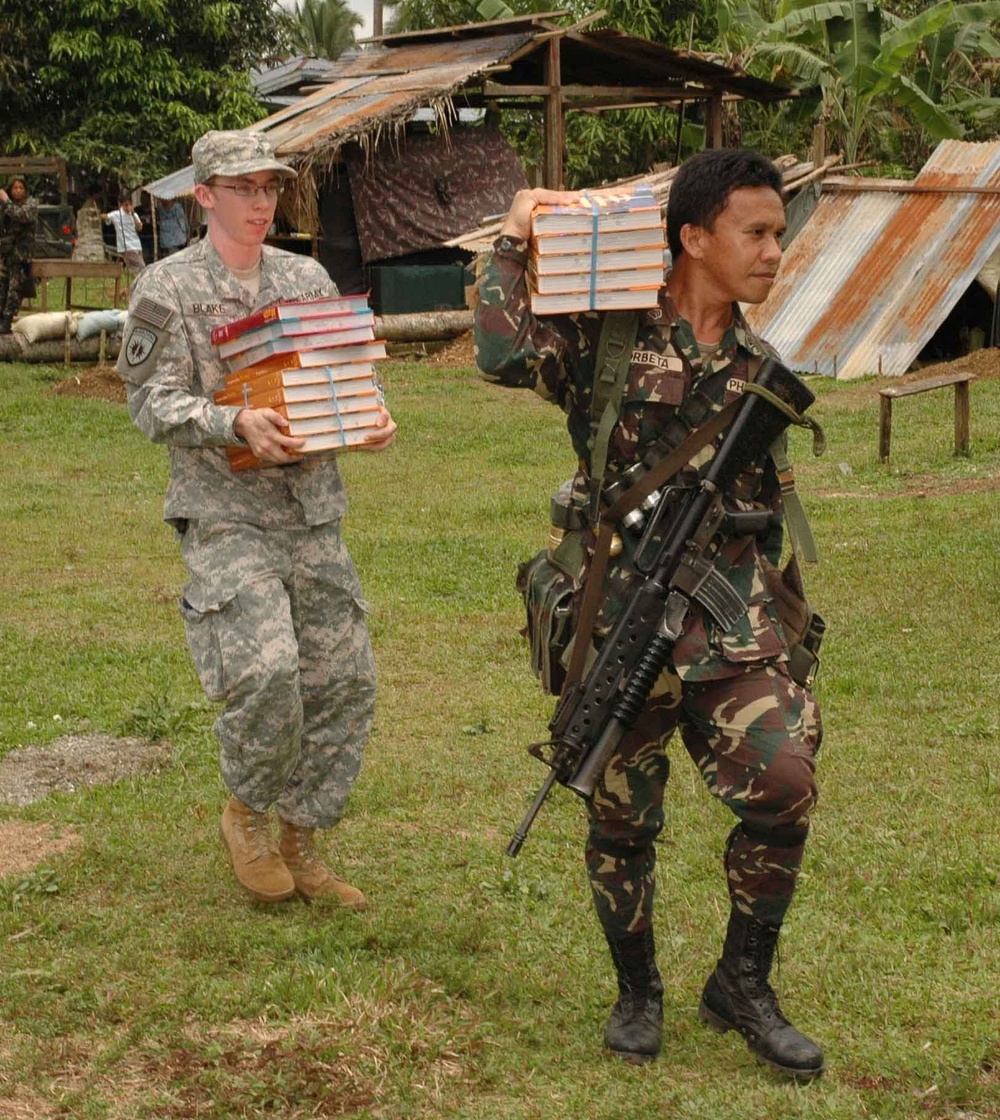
x: 754, y: 738
x: 11, y: 279
x: 276, y: 626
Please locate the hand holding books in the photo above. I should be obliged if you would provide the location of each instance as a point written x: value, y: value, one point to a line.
x: 304, y: 377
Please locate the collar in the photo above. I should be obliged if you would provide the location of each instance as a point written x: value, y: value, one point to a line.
x: 229, y: 287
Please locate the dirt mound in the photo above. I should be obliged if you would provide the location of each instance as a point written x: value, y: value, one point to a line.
x: 984, y: 364
x: 95, y: 383
x: 459, y: 352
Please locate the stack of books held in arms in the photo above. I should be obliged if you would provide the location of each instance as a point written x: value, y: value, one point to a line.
x: 310, y: 360
x: 603, y: 253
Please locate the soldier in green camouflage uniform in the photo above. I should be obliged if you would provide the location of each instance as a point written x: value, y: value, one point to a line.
x: 18, y: 216
x: 273, y: 610
x: 752, y: 731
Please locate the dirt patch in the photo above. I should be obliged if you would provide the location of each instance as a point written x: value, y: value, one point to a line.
x: 24, y: 845
x: 73, y: 762
x: 459, y: 352
x: 70, y: 763
x: 983, y: 364
x: 95, y: 383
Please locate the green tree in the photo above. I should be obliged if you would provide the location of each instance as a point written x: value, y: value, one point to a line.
x: 869, y: 73
x: 123, y: 87
x: 323, y: 28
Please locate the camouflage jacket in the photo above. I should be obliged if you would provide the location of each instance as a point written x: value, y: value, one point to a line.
x: 17, y: 228
x: 171, y: 370
x: 556, y: 357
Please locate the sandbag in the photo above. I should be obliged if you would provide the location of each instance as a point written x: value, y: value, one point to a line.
x: 109, y: 319
x: 45, y: 325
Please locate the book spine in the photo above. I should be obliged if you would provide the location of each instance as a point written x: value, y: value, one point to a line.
x: 227, y: 331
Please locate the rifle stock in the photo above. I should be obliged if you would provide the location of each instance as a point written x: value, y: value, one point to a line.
x: 593, y: 715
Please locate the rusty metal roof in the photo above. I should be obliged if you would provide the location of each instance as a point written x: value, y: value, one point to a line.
x: 881, y: 263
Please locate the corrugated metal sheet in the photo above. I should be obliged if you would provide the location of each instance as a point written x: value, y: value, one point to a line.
x: 876, y: 270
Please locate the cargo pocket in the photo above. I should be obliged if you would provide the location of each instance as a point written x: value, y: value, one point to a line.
x: 202, y: 624
x: 754, y: 638
x: 364, y: 658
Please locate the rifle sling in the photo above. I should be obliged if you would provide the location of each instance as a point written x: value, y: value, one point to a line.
x: 666, y: 468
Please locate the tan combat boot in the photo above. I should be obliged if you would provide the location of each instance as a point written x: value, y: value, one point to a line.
x: 258, y: 866
x: 312, y: 879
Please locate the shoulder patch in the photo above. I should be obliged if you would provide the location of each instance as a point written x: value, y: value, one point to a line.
x: 149, y: 311
x: 139, y: 344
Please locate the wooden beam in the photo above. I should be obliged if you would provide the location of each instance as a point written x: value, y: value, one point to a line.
x: 621, y: 93
x: 893, y: 186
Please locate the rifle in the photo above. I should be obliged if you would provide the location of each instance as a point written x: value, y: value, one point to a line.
x: 593, y: 714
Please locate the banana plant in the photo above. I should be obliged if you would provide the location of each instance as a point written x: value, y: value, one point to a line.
x: 855, y: 63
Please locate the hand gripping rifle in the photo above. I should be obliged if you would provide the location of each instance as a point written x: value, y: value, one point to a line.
x: 593, y: 714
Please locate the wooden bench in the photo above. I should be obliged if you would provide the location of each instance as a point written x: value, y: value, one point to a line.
x: 46, y: 269
x: 961, y: 383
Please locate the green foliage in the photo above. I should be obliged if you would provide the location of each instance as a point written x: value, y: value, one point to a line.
x: 323, y: 28
x: 124, y: 88
x: 871, y: 74
x: 42, y: 881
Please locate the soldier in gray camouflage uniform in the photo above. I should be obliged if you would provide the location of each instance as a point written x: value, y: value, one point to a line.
x: 750, y: 728
x: 273, y: 610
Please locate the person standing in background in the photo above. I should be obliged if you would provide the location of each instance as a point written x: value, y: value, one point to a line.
x: 127, y: 224
x: 174, y: 231
x: 18, y: 217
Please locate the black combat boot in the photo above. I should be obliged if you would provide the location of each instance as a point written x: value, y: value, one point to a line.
x: 636, y: 1021
x: 739, y: 997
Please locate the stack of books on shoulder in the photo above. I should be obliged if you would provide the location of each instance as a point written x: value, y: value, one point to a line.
x: 603, y: 253
x: 312, y: 361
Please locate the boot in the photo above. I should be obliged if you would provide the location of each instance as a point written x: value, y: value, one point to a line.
x: 739, y: 997
x: 247, y: 837
x: 636, y: 1021
x: 312, y: 879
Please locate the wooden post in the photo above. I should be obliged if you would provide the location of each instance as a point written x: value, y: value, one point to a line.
x: 884, y: 428
x: 713, y: 125
x: 819, y: 144
x: 554, y: 124
x: 961, y: 418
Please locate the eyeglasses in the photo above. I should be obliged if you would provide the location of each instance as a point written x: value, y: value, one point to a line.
x: 251, y: 190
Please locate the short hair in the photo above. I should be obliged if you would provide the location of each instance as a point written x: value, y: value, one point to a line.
x: 701, y: 188
x: 125, y: 196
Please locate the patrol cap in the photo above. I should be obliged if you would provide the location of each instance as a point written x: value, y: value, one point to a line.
x: 235, y: 152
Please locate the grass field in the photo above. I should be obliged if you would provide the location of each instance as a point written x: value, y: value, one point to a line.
x: 138, y: 983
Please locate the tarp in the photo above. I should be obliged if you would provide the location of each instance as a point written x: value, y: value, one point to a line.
x: 427, y: 189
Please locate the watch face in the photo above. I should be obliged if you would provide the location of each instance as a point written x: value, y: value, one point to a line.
x: 505, y: 243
